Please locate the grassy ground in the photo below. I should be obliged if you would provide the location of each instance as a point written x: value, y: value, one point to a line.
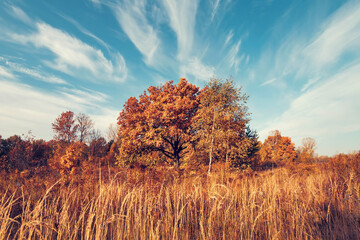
x: 162, y: 204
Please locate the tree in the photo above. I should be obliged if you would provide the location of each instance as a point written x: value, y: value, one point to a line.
x: 159, y: 121
x: 247, y: 153
x: 65, y: 127
x: 85, y: 126
x: 112, y: 132
x: 67, y: 160
x: 278, y: 149
x: 97, y: 145
x: 221, y: 120
x: 307, y: 150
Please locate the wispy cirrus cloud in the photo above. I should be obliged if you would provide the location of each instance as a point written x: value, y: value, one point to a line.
x: 233, y: 57
x: 5, y: 73
x: 34, y: 73
x: 270, y: 81
x: 85, y: 31
x: 19, y: 14
x: 340, y: 35
x: 29, y: 108
x: 85, y: 96
x: 318, y: 111
x: 74, y: 57
x: 326, y: 66
x: 215, y: 6
x: 132, y: 18
x: 313, y: 56
x: 229, y: 37
x: 197, y: 69
x: 182, y: 15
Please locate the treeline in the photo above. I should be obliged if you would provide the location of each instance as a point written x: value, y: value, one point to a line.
x: 177, y: 125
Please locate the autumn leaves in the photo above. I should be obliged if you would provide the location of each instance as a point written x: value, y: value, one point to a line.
x: 180, y: 122
x: 159, y: 121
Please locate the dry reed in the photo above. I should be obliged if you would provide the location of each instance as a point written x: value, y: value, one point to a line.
x: 272, y: 205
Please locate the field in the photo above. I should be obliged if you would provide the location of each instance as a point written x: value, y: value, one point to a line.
x: 291, y: 202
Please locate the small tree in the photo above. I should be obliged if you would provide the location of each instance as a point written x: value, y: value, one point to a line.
x: 69, y: 159
x: 307, y: 150
x: 85, y: 126
x: 221, y: 121
x: 247, y: 153
x: 65, y: 127
x: 278, y: 149
x: 112, y: 132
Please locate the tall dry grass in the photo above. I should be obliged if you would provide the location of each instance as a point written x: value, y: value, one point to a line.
x: 272, y: 205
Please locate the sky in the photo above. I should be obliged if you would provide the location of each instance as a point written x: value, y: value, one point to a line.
x: 299, y: 61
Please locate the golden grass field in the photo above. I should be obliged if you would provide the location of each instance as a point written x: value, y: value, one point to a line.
x: 135, y: 204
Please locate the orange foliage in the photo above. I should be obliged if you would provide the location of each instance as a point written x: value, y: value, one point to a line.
x: 220, y: 122
x: 65, y: 127
x: 278, y: 149
x: 158, y: 121
x: 68, y: 159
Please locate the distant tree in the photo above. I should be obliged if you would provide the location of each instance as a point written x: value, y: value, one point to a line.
x: 41, y: 152
x: 112, y: 132
x: 307, y: 150
x: 278, y: 149
x: 67, y: 160
x: 65, y: 127
x: 159, y: 121
x: 15, y: 153
x: 97, y: 145
x: 3, y: 153
x: 85, y: 126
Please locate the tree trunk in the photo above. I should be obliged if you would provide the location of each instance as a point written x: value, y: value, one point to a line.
x: 212, y: 142
x: 227, y: 151
x: 177, y: 161
x: 211, y: 149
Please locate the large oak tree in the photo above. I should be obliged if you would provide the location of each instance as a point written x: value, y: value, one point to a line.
x: 160, y: 120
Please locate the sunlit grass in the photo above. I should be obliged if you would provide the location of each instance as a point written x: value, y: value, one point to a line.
x: 270, y: 205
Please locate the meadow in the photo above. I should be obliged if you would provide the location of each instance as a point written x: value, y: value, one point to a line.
x: 313, y: 201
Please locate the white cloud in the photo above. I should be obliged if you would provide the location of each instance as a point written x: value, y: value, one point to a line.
x: 341, y: 35
x: 182, y: 15
x: 96, y: 2
x: 16, y: 67
x: 268, y: 82
x: 85, y: 31
x: 20, y: 14
x: 86, y: 97
x: 197, y: 69
x: 309, y: 57
x: 102, y: 121
x: 229, y: 37
x: 28, y: 108
x: 5, y: 73
x: 328, y: 109
x: 311, y: 82
x: 132, y: 19
x: 158, y: 15
x: 215, y: 6
x: 247, y: 59
x: 233, y: 58
x: 75, y: 57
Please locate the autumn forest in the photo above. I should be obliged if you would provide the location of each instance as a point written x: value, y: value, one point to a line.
x: 182, y: 162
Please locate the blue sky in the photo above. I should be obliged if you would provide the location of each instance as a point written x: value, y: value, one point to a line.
x: 299, y: 61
